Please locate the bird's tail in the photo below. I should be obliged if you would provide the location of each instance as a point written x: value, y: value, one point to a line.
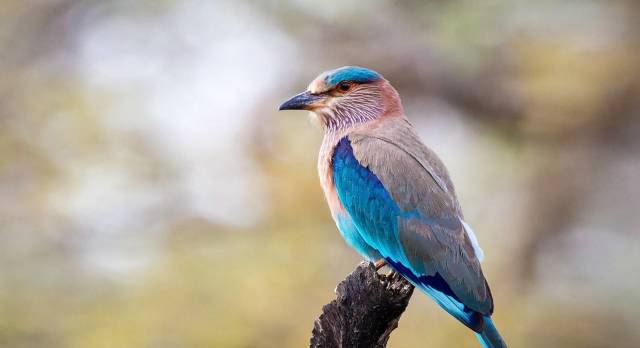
x: 489, y: 337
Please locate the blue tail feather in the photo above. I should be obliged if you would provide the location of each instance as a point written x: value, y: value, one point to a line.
x: 489, y: 337
x: 438, y: 289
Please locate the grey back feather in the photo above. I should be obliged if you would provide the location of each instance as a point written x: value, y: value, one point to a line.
x: 418, y: 181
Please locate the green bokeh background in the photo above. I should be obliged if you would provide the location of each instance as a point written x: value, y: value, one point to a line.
x: 152, y: 196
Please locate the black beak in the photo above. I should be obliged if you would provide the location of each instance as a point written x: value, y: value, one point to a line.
x: 302, y: 101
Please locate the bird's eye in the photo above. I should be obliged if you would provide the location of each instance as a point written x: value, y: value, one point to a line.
x: 344, y: 86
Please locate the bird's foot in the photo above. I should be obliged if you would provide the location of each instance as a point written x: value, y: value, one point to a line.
x: 380, y: 263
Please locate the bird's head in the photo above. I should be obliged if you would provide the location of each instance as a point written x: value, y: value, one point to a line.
x: 347, y: 96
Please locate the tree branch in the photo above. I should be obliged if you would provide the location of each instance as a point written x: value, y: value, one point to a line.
x: 365, y: 312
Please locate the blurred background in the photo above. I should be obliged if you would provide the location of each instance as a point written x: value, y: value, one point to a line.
x: 152, y: 196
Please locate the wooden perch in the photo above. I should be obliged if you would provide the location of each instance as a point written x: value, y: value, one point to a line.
x: 365, y: 312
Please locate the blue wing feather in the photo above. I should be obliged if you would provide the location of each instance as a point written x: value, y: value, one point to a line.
x: 351, y: 235
x: 371, y: 208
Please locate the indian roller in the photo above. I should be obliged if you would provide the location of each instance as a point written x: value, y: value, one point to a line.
x: 391, y: 196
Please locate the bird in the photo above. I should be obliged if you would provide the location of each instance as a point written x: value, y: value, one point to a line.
x: 391, y: 196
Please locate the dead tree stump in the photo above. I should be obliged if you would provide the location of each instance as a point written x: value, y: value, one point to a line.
x: 366, y: 310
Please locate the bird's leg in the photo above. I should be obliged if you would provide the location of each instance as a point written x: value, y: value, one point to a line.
x: 380, y: 263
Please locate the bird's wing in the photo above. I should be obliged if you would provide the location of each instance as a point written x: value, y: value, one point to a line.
x: 409, y: 213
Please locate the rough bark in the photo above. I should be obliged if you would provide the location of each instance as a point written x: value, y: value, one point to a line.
x: 367, y: 309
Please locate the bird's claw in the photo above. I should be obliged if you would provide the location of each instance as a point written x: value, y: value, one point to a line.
x: 380, y: 263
